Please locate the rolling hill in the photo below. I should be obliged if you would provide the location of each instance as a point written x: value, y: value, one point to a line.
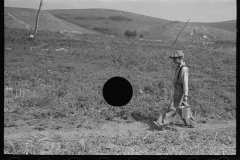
x: 203, y: 33
x: 46, y: 20
x: 225, y: 25
x: 114, y: 22
x: 13, y: 22
x: 107, y: 21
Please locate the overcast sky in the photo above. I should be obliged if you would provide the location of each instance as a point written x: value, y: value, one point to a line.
x: 181, y: 10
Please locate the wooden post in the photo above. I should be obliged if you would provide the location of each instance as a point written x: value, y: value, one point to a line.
x: 36, y: 26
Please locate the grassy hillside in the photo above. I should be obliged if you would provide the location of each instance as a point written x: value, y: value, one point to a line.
x: 13, y: 22
x: 77, y: 76
x: 225, y: 25
x: 113, y: 22
x: 53, y: 101
x: 46, y: 21
x: 106, y: 20
x: 169, y: 31
x: 46, y: 89
x: 116, y: 22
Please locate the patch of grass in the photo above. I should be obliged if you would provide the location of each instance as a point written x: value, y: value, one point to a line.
x: 89, y: 18
x: 52, y: 84
x: 206, y: 142
x: 119, y: 18
x: 102, y: 30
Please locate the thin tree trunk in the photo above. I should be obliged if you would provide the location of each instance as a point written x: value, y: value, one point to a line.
x: 36, y: 26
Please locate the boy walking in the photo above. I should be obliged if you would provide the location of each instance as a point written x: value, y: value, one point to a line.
x: 180, y: 95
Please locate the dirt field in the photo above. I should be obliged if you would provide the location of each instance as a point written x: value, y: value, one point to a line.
x: 112, y: 129
x: 109, y: 133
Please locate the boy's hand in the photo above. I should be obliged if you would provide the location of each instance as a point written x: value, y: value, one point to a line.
x: 185, y: 98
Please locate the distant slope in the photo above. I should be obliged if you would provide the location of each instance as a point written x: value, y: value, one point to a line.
x: 225, y: 25
x: 12, y: 22
x: 115, y: 22
x: 46, y: 20
x: 170, y: 30
x: 107, y: 21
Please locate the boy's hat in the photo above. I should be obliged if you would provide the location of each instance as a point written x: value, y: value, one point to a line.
x: 177, y: 54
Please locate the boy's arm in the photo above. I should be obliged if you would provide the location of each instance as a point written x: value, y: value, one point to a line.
x: 185, y: 74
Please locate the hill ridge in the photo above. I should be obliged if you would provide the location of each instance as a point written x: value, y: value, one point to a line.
x: 47, y: 21
x: 116, y: 22
x: 109, y: 10
x: 17, y: 21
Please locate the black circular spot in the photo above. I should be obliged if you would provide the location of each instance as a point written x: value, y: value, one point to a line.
x: 117, y: 91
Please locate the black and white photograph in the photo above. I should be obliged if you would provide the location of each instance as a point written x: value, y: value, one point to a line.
x: 120, y: 77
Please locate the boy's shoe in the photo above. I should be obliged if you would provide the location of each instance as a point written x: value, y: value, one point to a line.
x: 160, y: 126
x: 187, y: 126
x: 156, y: 124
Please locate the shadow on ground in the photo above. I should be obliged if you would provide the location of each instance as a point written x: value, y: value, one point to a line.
x: 179, y: 125
x: 149, y: 121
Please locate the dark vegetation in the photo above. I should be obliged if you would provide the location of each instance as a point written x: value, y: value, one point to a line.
x: 102, y: 30
x: 130, y: 33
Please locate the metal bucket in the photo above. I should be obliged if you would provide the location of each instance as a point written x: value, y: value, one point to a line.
x: 185, y: 112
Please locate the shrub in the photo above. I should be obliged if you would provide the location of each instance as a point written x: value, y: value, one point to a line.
x: 127, y: 33
x: 102, y: 30
x: 130, y: 33
x: 134, y: 33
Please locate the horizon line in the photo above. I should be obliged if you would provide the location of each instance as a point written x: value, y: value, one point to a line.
x: 122, y: 11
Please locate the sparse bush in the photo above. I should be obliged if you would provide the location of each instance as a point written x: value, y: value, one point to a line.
x: 134, y: 33
x: 127, y: 33
x: 102, y: 30
x: 130, y: 33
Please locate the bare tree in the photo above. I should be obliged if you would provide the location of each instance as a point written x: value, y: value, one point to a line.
x: 36, y: 26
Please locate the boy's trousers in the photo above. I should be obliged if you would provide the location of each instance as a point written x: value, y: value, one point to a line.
x: 169, y: 114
